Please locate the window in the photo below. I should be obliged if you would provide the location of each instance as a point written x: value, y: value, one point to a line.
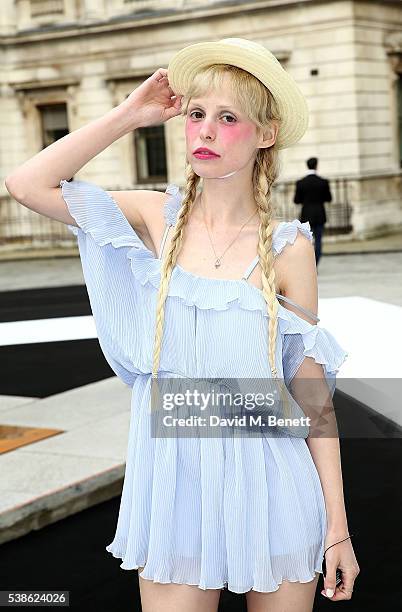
x: 150, y: 154
x: 54, y: 122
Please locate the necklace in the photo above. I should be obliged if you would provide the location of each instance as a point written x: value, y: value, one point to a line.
x: 218, y: 260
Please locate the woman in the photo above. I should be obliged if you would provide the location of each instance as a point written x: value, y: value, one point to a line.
x: 176, y: 292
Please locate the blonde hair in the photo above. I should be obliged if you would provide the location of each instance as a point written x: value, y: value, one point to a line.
x: 258, y: 104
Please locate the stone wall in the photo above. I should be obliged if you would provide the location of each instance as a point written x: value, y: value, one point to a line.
x: 344, y: 55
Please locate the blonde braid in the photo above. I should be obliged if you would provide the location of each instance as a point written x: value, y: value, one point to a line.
x: 167, y: 265
x: 265, y: 173
x: 190, y: 192
x: 262, y: 193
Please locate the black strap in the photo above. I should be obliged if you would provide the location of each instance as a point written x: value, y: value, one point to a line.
x: 353, y: 534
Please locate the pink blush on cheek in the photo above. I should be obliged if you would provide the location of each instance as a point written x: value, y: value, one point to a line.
x: 236, y: 133
x: 191, y: 130
x: 228, y: 135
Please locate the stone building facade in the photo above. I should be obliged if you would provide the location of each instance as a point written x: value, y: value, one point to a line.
x: 66, y: 62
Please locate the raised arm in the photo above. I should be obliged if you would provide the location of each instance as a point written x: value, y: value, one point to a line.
x: 35, y: 183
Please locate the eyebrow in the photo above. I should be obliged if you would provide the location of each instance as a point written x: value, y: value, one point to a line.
x: 220, y: 106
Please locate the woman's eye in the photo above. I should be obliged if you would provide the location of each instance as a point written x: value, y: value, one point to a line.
x: 195, y: 113
x: 230, y: 117
x: 225, y: 115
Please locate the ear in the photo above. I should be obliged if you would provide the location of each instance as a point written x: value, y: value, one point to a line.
x: 268, y: 135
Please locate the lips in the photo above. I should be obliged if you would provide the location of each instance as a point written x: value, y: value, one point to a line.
x: 205, y: 151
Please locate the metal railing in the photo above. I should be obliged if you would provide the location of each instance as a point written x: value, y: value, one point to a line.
x: 338, y: 212
x: 22, y: 228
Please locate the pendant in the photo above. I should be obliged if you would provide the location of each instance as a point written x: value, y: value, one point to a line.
x: 217, y: 263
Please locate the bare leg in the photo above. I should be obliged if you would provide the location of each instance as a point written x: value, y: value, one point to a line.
x: 290, y: 597
x: 171, y: 597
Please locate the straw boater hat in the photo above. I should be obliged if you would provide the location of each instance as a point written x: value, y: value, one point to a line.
x: 257, y: 60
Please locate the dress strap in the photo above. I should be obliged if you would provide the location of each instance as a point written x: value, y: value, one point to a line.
x: 254, y: 262
x: 163, y: 241
x: 289, y: 301
x: 278, y: 295
x: 251, y: 267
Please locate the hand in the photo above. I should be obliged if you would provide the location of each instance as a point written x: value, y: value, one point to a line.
x: 153, y: 101
x: 343, y: 557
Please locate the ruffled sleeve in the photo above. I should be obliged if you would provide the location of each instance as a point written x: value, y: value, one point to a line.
x: 317, y: 343
x: 173, y: 204
x: 98, y: 215
x: 286, y: 233
x: 301, y: 340
x: 105, y: 241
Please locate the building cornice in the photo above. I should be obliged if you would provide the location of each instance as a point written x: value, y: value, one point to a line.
x: 146, y: 19
x: 44, y: 84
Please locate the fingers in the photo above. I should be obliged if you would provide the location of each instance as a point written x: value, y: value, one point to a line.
x: 174, y: 110
x: 329, y: 580
x: 161, y: 77
x: 338, y: 593
x: 329, y: 589
x: 347, y: 584
x: 160, y: 73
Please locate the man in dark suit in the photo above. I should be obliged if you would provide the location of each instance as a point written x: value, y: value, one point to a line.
x: 312, y: 191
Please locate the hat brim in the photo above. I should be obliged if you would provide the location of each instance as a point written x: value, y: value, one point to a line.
x: 291, y: 103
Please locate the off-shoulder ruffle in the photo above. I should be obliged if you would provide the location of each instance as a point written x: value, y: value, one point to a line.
x: 173, y: 204
x: 287, y: 234
x: 97, y: 214
x: 318, y: 343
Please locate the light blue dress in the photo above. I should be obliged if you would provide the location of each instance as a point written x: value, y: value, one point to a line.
x: 216, y: 512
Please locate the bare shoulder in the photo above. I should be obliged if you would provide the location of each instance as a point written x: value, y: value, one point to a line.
x: 297, y: 270
x: 144, y: 210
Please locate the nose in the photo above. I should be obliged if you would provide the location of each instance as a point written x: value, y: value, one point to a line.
x: 207, y: 130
